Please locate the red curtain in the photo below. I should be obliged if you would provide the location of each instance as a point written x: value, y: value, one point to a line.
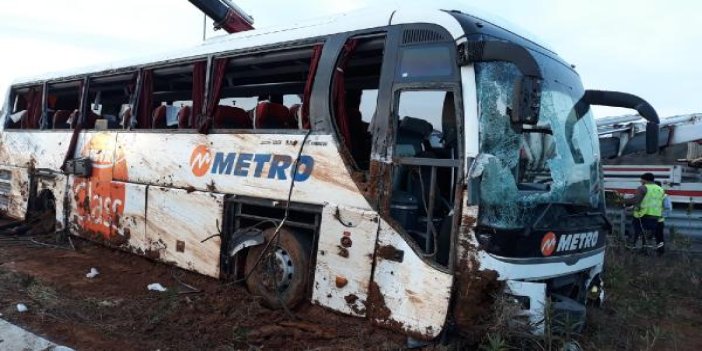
x: 316, y: 54
x: 199, y: 72
x: 34, y: 108
x: 146, y: 100
x: 220, y: 68
x: 37, y: 107
x: 340, y: 92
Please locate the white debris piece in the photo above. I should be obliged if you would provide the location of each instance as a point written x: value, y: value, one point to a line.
x: 156, y: 287
x: 92, y: 274
x: 22, y: 308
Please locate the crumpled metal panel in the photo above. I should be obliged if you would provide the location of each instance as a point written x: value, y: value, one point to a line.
x: 345, y: 259
x: 415, y: 295
x: 178, y: 222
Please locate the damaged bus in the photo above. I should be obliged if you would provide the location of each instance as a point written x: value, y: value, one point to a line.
x: 399, y: 165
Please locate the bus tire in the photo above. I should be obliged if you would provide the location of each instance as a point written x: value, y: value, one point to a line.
x: 285, y: 266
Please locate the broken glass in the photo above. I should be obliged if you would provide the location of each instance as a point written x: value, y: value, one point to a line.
x: 555, y: 161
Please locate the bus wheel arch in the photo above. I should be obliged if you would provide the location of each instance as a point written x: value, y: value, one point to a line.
x: 279, y: 272
x: 42, y: 211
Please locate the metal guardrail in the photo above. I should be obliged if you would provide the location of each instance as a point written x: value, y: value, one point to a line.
x: 685, y: 225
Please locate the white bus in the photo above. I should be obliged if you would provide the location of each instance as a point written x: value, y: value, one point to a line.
x: 395, y: 165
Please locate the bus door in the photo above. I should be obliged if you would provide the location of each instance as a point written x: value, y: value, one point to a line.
x: 412, y: 280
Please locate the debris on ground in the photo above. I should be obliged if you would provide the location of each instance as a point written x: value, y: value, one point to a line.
x: 92, y: 274
x: 21, y: 308
x: 156, y: 287
x: 119, y: 314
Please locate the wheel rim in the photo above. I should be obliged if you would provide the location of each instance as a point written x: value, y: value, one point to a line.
x: 279, y: 271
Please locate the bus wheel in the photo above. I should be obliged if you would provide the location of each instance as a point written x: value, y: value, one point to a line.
x: 281, y: 273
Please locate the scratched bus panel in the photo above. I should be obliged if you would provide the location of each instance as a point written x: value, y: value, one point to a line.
x: 38, y: 150
x: 179, y: 222
x: 407, y: 293
x: 345, y: 259
x: 258, y: 165
x: 14, y: 189
x: 131, y: 222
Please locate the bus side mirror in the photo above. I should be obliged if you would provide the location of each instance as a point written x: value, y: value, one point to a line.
x: 526, y: 101
x: 626, y: 100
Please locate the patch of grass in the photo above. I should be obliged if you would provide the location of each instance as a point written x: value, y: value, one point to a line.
x: 651, y: 303
x: 648, y: 297
x: 167, y: 304
x: 43, y: 295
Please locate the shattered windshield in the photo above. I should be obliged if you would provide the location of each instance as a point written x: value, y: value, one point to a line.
x: 521, y: 167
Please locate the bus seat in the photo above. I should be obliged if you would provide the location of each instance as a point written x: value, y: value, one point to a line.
x: 126, y: 117
x: 184, y: 117
x: 230, y: 117
x: 296, y: 115
x: 60, y: 119
x: 411, y: 135
x: 90, y: 121
x: 271, y: 115
x: 158, y: 118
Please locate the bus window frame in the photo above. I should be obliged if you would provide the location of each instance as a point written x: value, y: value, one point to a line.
x: 92, y: 78
x: 308, y: 43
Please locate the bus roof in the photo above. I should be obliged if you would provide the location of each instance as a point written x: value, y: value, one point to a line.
x: 360, y: 19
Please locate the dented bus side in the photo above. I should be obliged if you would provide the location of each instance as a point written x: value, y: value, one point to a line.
x: 335, y: 163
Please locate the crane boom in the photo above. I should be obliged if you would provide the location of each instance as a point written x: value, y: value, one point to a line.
x: 621, y: 135
x: 225, y: 14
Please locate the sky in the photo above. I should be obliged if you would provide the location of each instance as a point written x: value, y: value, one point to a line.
x: 651, y: 49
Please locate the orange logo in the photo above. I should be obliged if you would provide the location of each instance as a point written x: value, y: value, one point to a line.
x: 200, y: 160
x: 548, y: 244
x: 100, y: 199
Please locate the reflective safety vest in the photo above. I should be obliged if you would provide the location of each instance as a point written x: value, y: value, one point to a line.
x: 652, y: 203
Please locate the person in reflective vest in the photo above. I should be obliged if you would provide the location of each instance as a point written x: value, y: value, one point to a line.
x: 648, y: 208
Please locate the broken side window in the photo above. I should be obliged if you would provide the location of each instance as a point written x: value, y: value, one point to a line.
x: 63, y: 105
x: 19, y: 106
x: 111, y: 100
x: 26, y: 108
x: 168, y: 96
x: 355, y: 95
x: 263, y: 91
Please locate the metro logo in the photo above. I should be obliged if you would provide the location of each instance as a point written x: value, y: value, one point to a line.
x: 572, y: 242
x: 568, y: 242
x: 200, y: 160
x: 548, y: 244
x: 270, y: 166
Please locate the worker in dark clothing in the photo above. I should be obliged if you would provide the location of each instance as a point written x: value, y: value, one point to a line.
x: 648, y: 208
x: 667, y: 209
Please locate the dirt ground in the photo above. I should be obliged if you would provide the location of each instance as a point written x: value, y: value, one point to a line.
x: 115, y: 311
x: 653, y: 303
